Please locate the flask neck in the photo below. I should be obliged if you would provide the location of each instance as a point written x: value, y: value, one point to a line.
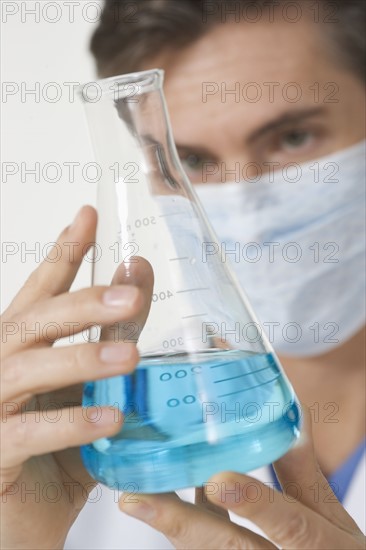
x: 144, y: 113
x: 131, y: 133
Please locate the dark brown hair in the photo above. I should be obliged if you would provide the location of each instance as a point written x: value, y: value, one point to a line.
x: 130, y: 34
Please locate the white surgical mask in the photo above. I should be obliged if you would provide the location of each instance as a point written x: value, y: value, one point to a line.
x: 296, y: 240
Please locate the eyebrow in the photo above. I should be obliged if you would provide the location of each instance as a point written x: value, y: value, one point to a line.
x: 279, y: 122
x: 284, y: 120
x: 195, y: 150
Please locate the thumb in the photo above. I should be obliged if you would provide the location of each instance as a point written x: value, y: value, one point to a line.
x: 137, y: 271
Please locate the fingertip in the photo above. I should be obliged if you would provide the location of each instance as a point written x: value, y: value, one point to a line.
x: 137, y: 271
x: 106, y: 419
x: 137, y: 507
x: 131, y: 357
x: 86, y: 215
x: 305, y: 437
x: 229, y: 489
x: 307, y: 422
x: 221, y: 483
x: 300, y: 459
x: 226, y: 476
x: 302, y: 440
x: 87, y: 211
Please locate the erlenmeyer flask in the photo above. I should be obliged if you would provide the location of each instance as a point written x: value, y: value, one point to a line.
x: 209, y: 393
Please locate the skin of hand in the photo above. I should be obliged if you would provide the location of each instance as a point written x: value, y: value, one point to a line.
x: 44, y: 484
x: 38, y: 454
x: 297, y: 518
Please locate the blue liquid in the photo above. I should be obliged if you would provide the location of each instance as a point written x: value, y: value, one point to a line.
x: 188, y: 417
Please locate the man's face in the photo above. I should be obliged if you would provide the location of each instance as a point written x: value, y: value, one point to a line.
x: 251, y: 97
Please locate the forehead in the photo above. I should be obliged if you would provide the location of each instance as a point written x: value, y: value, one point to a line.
x: 265, y: 65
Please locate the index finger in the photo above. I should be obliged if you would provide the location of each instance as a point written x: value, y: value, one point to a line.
x: 189, y: 526
x: 287, y: 522
x: 298, y: 472
x: 55, y: 277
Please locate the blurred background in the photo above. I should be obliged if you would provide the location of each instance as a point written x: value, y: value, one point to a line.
x: 44, y: 55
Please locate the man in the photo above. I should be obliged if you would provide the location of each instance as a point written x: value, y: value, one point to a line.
x: 312, y: 57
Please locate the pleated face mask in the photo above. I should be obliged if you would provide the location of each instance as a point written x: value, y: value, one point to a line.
x: 296, y: 240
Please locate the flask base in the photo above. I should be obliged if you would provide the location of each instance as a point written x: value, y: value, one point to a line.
x: 170, y: 469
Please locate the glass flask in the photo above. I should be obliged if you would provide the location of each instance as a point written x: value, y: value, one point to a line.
x: 208, y: 393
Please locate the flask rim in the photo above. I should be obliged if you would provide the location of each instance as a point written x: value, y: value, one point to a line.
x: 120, y: 86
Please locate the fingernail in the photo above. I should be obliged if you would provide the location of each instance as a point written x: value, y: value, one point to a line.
x: 140, y: 510
x: 121, y: 296
x: 228, y: 493
x: 115, y: 353
x: 101, y: 417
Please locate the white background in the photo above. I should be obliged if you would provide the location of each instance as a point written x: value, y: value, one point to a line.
x: 35, y: 129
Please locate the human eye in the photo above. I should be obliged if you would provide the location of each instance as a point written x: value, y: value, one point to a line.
x: 295, y: 143
x: 192, y: 162
x: 195, y: 166
x: 295, y: 140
